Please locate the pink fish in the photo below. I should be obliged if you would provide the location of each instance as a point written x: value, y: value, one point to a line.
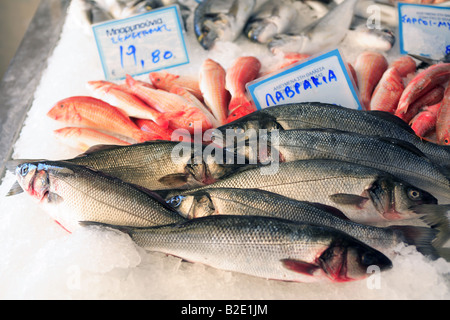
x: 165, y: 81
x: 405, y: 65
x: 96, y: 114
x: 212, y: 85
x: 434, y: 96
x: 387, y: 93
x: 422, y: 83
x: 425, y: 121
x: 151, y: 127
x: 164, y: 101
x: 443, y: 120
x: 369, y: 68
x: 242, y: 71
x: 123, y: 99
x: 84, y: 138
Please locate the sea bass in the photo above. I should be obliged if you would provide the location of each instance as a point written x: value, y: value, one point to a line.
x: 74, y: 193
x: 253, y: 202
x: 263, y: 247
x: 323, y: 33
x: 390, y: 155
x: 220, y: 20
x: 319, y: 115
x: 160, y: 165
x: 363, y: 194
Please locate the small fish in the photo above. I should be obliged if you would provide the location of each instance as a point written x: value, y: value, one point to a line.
x: 369, y: 67
x: 96, y: 114
x: 243, y: 70
x: 165, y: 81
x: 164, y: 101
x: 128, y: 103
x: 363, y: 194
x: 229, y: 201
x: 387, y: 93
x: 323, y: 33
x: 85, y: 138
x: 430, y: 98
x: 72, y: 193
x: 425, y: 121
x: 151, y: 127
x: 422, y: 83
x: 212, y: 85
x: 220, y: 20
x: 263, y: 247
x: 162, y: 165
x: 405, y: 65
x: 443, y: 120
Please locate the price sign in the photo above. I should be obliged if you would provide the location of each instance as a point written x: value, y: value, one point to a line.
x: 320, y: 79
x: 142, y: 43
x: 424, y: 30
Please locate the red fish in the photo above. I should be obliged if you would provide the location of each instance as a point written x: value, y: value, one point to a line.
x: 405, y: 65
x: 422, y: 83
x: 369, y: 67
x: 94, y: 113
x: 212, y: 85
x: 165, y: 81
x: 84, y: 138
x: 431, y: 98
x: 121, y: 98
x: 151, y: 127
x: 443, y: 120
x: 425, y: 121
x: 243, y: 70
x: 387, y: 93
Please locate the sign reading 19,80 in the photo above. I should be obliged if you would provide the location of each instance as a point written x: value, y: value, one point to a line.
x: 141, y: 44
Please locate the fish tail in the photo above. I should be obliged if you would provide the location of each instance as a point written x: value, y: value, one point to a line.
x: 15, y: 189
x: 124, y: 229
x: 437, y: 217
x: 422, y: 238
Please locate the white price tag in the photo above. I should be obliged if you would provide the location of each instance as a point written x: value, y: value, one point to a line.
x: 141, y: 44
x: 320, y: 79
x: 424, y: 30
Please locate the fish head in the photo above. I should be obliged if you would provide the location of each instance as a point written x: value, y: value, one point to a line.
x: 65, y: 110
x: 162, y: 79
x: 211, y: 28
x: 349, y: 259
x: 394, y: 199
x: 190, y: 206
x: 33, y: 179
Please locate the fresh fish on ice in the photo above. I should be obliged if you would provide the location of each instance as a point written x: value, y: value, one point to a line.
x: 220, y: 20
x: 430, y: 98
x: 424, y: 122
x: 382, y: 39
x: 74, y: 193
x: 165, y: 81
x: 324, y: 33
x: 253, y: 202
x: 362, y: 193
x: 263, y: 247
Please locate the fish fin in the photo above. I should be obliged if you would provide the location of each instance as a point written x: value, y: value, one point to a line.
x: 96, y: 148
x: 124, y: 229
x: 334, y: 211
x: 423, y: 238
x: 438, y: 217
x: 392, y: 118
x: 348, y: 199
x: 156, y: 196
x: 174, y: 180
x: 444, y: 253
x: 54, y: 198
x: 299, y: 266
x: 15, y: 189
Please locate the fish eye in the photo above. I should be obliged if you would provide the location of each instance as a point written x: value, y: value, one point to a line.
x: 414, y: 194
x: 446, y: 141
x: 368, y: 259
x: 24, y: 170
x: 175, y: 201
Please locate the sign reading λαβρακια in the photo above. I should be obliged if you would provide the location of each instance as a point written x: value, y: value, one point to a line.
x: 424, y: 30
x: 323, y: 78
x: 142, y: 43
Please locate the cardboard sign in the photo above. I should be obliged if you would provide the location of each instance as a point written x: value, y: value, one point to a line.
x: 424, y: 30
x: 322, y: 78
x: 141, y: 44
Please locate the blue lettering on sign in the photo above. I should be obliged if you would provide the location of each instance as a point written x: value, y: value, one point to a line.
x: 155, y: 55
x: 288, y: 93
x: 138, y: 35
x: 423, y: 22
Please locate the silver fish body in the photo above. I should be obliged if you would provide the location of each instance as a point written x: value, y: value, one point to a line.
x: 232, y: 201
x: 72, y: 193
x: 264, y: 247
x: 326, y: 116
x: 363, y: 194
x: 324, y: 33
x: 389, y: 155
x: 160, y: 165
x: 220, y: 20
x: 373, y: 39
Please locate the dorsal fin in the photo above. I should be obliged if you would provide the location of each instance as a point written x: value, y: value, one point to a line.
x: 404, y: 144
x: 392, y: 118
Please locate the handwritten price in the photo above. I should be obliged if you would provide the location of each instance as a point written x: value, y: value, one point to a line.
x: 155, y: 55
